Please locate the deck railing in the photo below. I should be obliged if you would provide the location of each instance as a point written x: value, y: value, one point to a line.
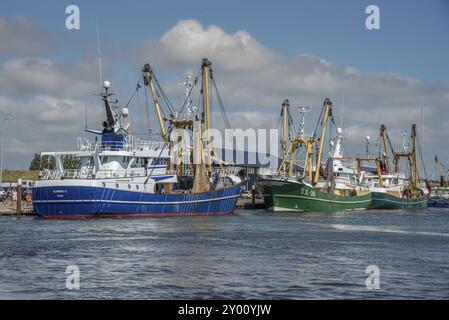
x: 91, y: 174
x: 276, y: 174
x: 187, y: 170
x: 129, y: 144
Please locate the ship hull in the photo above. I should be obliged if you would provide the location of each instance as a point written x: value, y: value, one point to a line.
x: 382, y: 200
x: 438, y: 203
x: 281, y: 195
x: 97, y: 202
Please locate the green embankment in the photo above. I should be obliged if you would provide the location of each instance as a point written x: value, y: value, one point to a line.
x: 14, y: 175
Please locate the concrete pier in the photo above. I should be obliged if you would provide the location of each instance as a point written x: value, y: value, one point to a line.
x: 9, y: 208
x: 249, y: 204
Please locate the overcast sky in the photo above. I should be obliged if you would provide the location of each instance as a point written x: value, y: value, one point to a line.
x: 262, y: 52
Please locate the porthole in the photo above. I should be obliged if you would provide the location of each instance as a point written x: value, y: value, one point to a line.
x: 129, y: 186
x: 116, y: 185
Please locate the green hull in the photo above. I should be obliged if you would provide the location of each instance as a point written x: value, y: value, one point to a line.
x: 387, y: 201
x: 282, y: 195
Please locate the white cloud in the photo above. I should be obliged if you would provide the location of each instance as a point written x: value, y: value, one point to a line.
x: 22, y: 36
x: 30, y: 76
x: 253, y: 81
x: 188, y: 41
x: 42, y: 123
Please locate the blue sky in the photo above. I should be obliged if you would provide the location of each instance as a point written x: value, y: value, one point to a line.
x: 413, y: 39
x: 302, y: 50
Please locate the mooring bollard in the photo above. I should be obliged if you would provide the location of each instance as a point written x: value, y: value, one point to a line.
x: 19, y: 196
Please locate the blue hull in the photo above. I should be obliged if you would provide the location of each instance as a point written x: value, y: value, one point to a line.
x: 93, y: 202
x: 438, y: 203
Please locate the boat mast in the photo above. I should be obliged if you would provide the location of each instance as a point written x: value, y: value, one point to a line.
x: 111, y: 117
x: 412, y: 160
x: 361, y: 160
x: 327, y: 113
x: 148, y: 81
x: 206, y: 99
x: 99, y: 55
x: 285, y: 106
x: 439, y: 166
x: 386, y: 140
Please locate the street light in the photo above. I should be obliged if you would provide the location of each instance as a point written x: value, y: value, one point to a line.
x: 3, y: 121
x: 367, y: 139
x: 404, y: 143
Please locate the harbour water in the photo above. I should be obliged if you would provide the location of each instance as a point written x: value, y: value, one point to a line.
x: 248, y: 255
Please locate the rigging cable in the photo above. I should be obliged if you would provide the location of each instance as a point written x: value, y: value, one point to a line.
x: 189, y: 94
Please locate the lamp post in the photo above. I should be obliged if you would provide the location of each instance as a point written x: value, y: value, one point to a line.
x: 3, y: 123
x: 404, y: 143
x: 367, y: 139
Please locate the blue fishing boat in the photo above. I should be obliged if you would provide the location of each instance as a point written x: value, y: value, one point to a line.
x: 122, y: 176
x: 439, y: 198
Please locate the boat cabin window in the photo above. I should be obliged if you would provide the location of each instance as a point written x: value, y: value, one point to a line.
x: 86, y: 162
x: 159, y: 161
x: 140, y: 163
x: 124, y: 161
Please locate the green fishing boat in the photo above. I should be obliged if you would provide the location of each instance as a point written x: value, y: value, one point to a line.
x: 394, y: 200
x: 395, y: 190
x: 313, y: 188
x: 290, y: 195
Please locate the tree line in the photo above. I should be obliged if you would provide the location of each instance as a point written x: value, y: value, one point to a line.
x: 48, y: 162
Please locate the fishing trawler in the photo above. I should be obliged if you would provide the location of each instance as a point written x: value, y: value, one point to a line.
x: 394, y: 190
x: 439, y: 196
x: 122, y: 176
x: 303, y: 190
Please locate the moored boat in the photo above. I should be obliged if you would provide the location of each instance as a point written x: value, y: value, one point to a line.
x: 439, y: 196
x: 393, y: 190
x: 287, y: 190
x: 294, y: 195
x: 121, y: 176
x: 395, y: 200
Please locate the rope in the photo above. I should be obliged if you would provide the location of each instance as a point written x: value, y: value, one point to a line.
x: 138, y: 86
x: 220, y: 104
x: 190, y: 93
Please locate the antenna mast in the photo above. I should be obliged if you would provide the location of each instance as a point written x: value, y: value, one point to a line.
x: 302, y: 114
x: 99, y: 55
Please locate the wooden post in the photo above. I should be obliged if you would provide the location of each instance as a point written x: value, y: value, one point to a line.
x: 254, y: 195
x: 19, y: 196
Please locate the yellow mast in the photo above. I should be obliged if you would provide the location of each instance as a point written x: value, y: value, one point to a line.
x: 414, y: 167
x: 412, y: 161
x: 442, y: 172
x: 379, y: 170
x: 285, y: 106
x: 327, y: 112
x: 206, y: 74
x: 309, y: 155
x: 289, y: 153
x: 384, y: 136
x: 379, y: 173
x: 148, y: 80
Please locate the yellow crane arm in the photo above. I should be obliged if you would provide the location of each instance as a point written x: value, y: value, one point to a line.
x: 327, y: 112
x: 148, y: 80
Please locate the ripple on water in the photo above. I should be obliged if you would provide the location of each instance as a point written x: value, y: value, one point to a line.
x: 253, y: 254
